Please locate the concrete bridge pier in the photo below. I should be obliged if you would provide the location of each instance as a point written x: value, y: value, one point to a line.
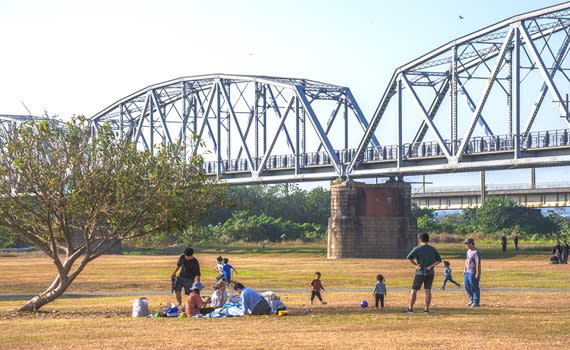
x: 371, y: 221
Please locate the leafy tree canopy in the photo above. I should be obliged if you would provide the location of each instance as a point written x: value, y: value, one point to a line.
x: 74, y: 195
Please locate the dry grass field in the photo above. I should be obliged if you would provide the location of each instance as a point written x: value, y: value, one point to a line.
x: 524, y: 304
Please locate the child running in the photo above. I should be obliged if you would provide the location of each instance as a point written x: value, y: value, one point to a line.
x: 228, y: 271
x: 379, y: 291
x: 316, y: 287
x: 447, y: 275
x: 219, y: 268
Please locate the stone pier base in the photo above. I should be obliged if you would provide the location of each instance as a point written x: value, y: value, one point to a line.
x: 371, y: 221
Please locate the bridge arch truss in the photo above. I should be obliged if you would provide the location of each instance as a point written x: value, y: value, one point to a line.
x: 494, y: 99
x: 260, y: 128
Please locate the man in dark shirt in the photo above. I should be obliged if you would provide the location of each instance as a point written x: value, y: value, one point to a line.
x: 504, y: 242
x: 424, y: 257
x: 189, y: 274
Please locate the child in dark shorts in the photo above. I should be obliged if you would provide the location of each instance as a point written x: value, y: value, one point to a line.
x: 316, y: 287
x: 379, y: 291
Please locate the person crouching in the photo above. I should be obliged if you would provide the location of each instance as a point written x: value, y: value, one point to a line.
x: 252, y: 303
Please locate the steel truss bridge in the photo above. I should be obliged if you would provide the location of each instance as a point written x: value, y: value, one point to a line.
x: 456, y: 198
x: 494, y: 99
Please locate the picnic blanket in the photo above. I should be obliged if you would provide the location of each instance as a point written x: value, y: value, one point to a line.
x: 232, y: 308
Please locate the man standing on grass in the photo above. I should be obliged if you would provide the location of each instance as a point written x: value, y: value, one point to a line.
x: 424, y: 257
x: 189, y: 277
x: 472, y: 273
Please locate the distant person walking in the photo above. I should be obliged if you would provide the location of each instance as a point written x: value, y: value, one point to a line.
x: 472, y: 273
x: 516, y: 242
x: 504, y: 242
x: 424, y: 257
x: 447, y: 275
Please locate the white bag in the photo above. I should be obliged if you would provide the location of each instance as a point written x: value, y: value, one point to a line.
x: 140, y: 307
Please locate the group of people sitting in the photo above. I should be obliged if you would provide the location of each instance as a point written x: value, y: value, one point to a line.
x: 250, y: 302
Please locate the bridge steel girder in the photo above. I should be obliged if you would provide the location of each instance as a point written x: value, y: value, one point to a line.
x: 532, y: 198
x: 512, y: 69
x: 226, y: 117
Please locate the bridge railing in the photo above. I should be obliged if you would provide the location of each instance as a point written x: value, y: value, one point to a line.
x: 490, y: 144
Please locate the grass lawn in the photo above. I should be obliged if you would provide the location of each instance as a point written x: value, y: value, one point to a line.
x: 524, y: 303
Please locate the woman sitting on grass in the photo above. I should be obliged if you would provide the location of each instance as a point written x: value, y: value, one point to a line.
x: 195, y: 304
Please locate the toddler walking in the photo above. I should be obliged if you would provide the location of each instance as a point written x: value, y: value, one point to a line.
x: 316, y: 287
x: 447, y: 275
x: 379, y: 291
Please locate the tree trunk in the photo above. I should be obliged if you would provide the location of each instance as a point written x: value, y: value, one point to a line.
x: 45, y: 297
x: 65, y: 277
x: 59, y: 285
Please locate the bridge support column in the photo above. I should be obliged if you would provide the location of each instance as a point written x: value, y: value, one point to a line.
x: 483, y: 187
x: 371, y: 221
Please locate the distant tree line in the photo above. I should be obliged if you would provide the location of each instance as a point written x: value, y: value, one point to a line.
x: 286, y: 212
x: 258, y: 213
x: 272, y: 213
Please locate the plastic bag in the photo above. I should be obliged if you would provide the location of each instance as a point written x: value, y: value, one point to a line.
x: 140, y: 307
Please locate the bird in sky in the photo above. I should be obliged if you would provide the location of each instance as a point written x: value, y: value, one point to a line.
x: 460, y: 17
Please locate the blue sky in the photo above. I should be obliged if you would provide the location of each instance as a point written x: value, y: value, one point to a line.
x: 77, y: 57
